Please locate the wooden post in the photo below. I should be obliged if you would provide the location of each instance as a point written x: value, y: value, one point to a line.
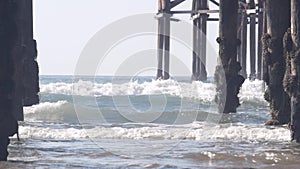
x: 167, y: 41
x: 198, y: 70
x: 239, y: 34
x: 292, y: 78
x: 10, y: 96
x: 202, y: 40
x: 196, y: 49
x: 278, y: 16
x: 160, y: 44
x: 259, y: 36
x: 29, y: 54
x: 252, y: 23
x: 244, y: 39
x: 163, y: 44
x: 227, y: 78
x: 265, y: 25
x: 252, y: 46
x: 195, y: 41
x: 265, y: 70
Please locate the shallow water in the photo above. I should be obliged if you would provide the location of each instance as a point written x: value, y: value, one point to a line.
x: 142, y: 123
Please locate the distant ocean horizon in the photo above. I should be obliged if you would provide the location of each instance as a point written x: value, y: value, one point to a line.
x: 140, y: 122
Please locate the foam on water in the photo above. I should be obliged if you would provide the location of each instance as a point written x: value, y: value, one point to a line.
x: 199, y: 131
x: 46, y: 111
x: 52, y: 130
x: 251, y: 91
x: 44, y: 107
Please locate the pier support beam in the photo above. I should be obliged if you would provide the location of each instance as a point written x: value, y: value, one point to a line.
x: 167, y: 46
x: 202, y: 40
x: 292, y: 75
x: 243, y: 46
x: 252, y: 17
x: 278, y: 16
x: 29, y: 54
x: 195, y: 65
x: 160, y: 48
x: 163, y: 49
x: 227, y: 78
x: 18, y: 67
x: 199, y: 40
x: 259, y: 36
x: 9, y: 49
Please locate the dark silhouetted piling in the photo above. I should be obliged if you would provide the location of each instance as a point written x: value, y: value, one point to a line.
x: 259, y: 36
x: 278, y: 16
x: 227, y: 76
x: 9, y: 103
x: 291, y: 82
x: 295, y: 32
x: 18, y: 67
x: 29, y: 53
x: 243, y: 39
x: 252, y: 23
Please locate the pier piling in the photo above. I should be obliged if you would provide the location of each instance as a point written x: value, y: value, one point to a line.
x: 163, y: 45
x: 252, y: 46
x: 278, y: 21
x: 244, y: 39
x: 291, y: 43
x: 260, y: 11
x: 227, y: 78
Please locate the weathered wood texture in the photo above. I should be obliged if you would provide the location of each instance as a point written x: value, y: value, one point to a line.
x: 292, y: 81
x: 227, y: 76
x: 278, y: 21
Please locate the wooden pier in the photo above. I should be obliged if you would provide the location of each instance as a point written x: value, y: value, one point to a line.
x: 251, y: 32
x: 251, y: 17
x: 271, y: 29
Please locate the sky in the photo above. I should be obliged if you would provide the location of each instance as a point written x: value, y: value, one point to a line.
x: 62, y: 28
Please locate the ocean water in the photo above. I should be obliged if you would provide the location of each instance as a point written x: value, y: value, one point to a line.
x: 123, y: 122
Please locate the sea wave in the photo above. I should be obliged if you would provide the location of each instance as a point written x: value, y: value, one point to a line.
x: 51, y: 112
x: 199, y: 131
x: 251, y: 91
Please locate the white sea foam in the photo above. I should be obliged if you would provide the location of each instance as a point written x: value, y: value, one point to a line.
x: 46, y: 111
x: 251, y: 91
x: 46, y: 106
x: 198, y: 131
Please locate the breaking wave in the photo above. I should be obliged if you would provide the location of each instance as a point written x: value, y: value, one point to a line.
x: 199, y: 131
x: 251, y: 92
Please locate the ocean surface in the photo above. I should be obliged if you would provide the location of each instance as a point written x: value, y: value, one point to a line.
x: 124, y: 122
